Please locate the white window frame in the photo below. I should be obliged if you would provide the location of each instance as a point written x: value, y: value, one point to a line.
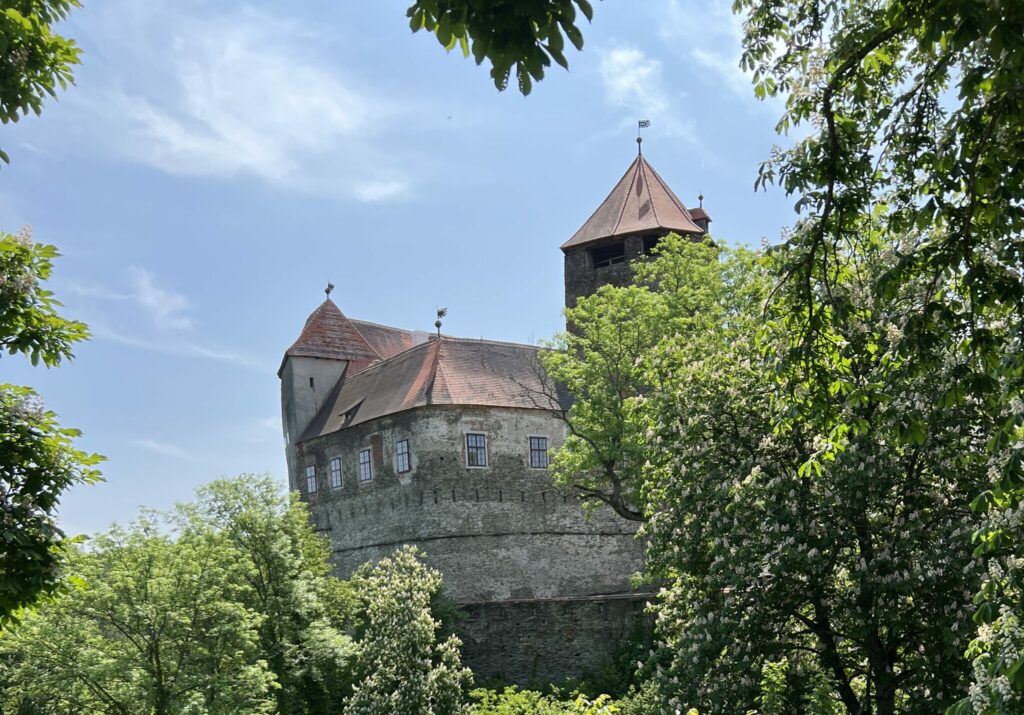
x: 529, y: 451
x: 334, y: 469
x: 399, y: 454
x: 365, y: 475
x: 487, y: 458
x: 311, y: 479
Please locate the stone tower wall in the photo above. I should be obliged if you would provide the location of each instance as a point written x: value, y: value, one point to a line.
x: 581, y: 278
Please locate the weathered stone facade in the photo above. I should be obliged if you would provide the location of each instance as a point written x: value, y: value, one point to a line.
x: 497, y: 532
x: 582, y: 278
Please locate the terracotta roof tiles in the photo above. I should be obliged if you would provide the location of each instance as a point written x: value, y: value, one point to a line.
x: 640, y: 202
x: 445, y: 371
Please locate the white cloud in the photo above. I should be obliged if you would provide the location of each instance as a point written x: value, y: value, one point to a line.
x: 633, y: 81
x: 379, y: 190
x: 242, y: 94
x: 165, y: 449
x: 712, y: 37
x: 165, y: 307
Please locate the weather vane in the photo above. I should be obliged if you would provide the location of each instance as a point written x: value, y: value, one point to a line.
x: 441, y: 312
x: 329, y: 288
x: 642, y: 124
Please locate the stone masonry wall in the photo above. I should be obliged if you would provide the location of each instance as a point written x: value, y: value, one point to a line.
x: 581, y: 278
x: 534, y: 641
x: 496, y: 533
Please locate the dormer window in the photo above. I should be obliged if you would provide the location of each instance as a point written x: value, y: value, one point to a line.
x: 608, y: 254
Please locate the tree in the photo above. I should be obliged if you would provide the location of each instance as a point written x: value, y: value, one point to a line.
x: 152, y: 626
x: 284, y: 577
x: 915, y: 112
x: 508, y: 33
x: 854, y: 565
x: 35, y: 60
x: 691, y: 289
x: 225, y: 605
x: 38, y: 460
x: 402, y: 669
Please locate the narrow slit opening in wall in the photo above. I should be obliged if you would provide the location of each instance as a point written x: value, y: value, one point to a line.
x: 311, y: 384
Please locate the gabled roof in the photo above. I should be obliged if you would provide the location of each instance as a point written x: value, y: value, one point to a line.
x: 639, y: 203
x: 445, y: 371
x: 329, y: 334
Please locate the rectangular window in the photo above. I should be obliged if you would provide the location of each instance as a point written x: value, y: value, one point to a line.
x: 365, y: 470
x: 336, y: 473
x: 311, y: 479
x: 539, y: 452
x: 402, y: 455
x: 476, y: 450
x: 609, y: 254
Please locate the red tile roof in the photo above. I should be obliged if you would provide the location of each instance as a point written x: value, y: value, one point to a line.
x: 446, y: 371
x: 329, y: 334
x: 698, y: 213
x: 639, y: 203
x: 384, y: 339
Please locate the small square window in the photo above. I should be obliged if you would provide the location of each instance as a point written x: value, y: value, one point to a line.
x: 365, y: 469
x: 539, y: 452
x: 402, y: 456
x: 311, y: 479
x: 336, y: 473
x: 476, y: 450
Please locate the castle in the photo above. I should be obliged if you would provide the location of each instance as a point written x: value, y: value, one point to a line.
x: 403, y: 437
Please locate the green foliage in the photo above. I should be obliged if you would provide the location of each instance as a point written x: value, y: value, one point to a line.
x: 29, y: 322
x: 512, y: 701
x: 526, y: 35
x: 691, y: 292
x: 913, y: 113
x: 854, y: 563
x: 38, y: 459
x: 34, y: 61
x: 402, y: 669
x: 152, y: 627
x: 235, y: 613
x: 284, y: 571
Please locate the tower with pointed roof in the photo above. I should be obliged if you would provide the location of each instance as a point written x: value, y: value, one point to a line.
x: 638, y: 213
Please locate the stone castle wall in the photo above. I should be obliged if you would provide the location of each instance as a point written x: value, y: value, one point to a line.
x: 546, y: 640
x: 496, y: 533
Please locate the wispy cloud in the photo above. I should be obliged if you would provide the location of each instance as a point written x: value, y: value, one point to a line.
x: 712, y: 36
x: 242, y: 94
x: 166, y: 308
x: 144, y: 313
x: 633, y: 81
x: 165, y: 449
x: 183, y: 348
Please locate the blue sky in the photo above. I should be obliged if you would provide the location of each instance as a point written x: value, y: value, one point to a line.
x: 219, y: 162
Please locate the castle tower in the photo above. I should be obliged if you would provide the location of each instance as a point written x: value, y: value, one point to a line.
x: 638, y: 212
x: 311, y: 368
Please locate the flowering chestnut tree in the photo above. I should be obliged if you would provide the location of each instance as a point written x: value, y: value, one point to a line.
x: 854, y: 565
x: 402, y: 668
